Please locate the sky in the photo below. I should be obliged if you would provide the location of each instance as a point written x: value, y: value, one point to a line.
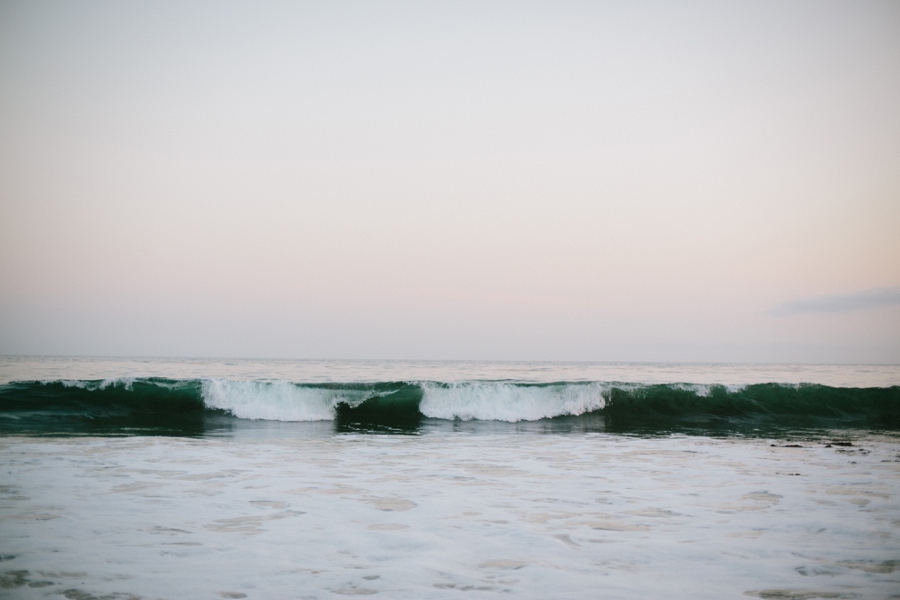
x: 619, y: 181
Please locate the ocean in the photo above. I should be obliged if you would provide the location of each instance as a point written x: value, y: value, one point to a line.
x: 223, y: 478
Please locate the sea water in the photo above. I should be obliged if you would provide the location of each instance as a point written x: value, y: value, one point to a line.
x: 163, y: 478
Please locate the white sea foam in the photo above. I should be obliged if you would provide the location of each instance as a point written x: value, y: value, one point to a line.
x: 274, y: 400
x: 125, y: 382
x: 434, y: 516
x: 286, y: 401
x: 509, y: 402
x: 702, y: 390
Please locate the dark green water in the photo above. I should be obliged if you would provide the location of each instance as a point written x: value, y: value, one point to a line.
x: 185, y: 407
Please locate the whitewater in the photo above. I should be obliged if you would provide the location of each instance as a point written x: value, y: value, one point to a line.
x: 209, y: 478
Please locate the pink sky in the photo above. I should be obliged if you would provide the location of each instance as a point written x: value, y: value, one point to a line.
x: 487, y: 180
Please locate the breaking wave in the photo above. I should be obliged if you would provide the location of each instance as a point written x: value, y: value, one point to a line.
x: 170, y: 406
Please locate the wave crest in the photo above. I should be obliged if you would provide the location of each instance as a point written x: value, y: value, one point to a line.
x: 271, y: 400
x: 130, y: 405
x: 510, y: 402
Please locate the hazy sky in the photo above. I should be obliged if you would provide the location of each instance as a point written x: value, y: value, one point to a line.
x: 476, y: 180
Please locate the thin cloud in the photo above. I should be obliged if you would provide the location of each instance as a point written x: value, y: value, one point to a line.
x: 841, y: 303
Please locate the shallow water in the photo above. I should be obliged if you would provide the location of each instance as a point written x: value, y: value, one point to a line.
x: 433, y: 516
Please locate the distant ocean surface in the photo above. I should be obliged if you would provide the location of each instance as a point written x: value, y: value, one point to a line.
x: 174, y: 478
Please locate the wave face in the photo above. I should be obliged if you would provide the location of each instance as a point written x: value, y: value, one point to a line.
x: 196, y: 407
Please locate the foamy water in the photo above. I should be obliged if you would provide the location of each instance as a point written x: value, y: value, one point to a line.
x: 436, y: 516
x: 491, y: 401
